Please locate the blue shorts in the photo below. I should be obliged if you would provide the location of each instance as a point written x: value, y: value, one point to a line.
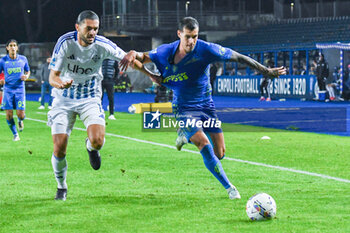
x: 13, y: 99
x: 199, y: 113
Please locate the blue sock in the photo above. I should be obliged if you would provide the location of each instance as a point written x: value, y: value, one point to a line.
x: 12, y: 126
x: 214, y: 165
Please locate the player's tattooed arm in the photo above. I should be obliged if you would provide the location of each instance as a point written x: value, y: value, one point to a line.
x: 56, y: 81
x: 25, y: 76
x: 270, y: 72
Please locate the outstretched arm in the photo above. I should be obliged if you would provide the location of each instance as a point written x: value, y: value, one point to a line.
x: 131, y: 56
x: 136, y: 60
x: 270, y: 72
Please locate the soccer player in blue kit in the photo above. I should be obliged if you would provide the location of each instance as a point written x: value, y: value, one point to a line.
x: 16, y: 70
x: 184, y: 67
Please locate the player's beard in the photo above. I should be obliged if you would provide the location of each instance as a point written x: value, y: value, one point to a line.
x: 85, y: 39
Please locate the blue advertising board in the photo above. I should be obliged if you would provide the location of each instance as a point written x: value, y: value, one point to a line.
x: 287, y: 86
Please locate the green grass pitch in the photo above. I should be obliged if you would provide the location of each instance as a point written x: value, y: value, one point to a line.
x: 143, y: 187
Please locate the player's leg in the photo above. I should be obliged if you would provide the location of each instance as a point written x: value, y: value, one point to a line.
x: 94, y: 143
x: 218, y: 143
x: 59, y: 164
x: 50, y: 96
x: 9, y: 99
x: 20, y: 108
x: 93, y: 117
x: 330, y: 92
x: 110, y: 95
x: 42, y: 96
x: 262, y: 97
x: 12, y: 125
x: 267, y: 90
x: 212, y: 163
x: 1, y: 98
x: 21, y: 116
x: 61, y: 121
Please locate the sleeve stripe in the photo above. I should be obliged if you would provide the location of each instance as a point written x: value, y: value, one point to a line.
x: 106, y: 42
x: 62, y: 39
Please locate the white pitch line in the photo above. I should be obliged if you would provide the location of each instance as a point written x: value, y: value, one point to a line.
x: 231, y: 159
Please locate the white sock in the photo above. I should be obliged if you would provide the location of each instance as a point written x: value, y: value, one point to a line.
x: 60, y: 167
x: 330, y: 91
x: 89, y: 146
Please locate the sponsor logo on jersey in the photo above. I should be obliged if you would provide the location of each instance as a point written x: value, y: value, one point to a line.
x: 79, y: 70
x: 71, y: 57
x: 14, y: 70
x: 176, y: 78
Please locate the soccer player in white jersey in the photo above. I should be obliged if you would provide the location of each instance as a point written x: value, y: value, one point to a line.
x: 76, y: 77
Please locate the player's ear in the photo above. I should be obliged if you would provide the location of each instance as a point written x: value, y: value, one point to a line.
x: 77, y: 27
x: 179, y: 33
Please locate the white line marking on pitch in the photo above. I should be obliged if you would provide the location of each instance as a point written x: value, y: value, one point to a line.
x: 231, y: 159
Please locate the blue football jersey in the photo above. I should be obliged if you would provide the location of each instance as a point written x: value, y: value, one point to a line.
x: 13, y: 70
x: 190, y: 77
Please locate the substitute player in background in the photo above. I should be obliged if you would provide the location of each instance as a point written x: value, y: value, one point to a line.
x: 16, y: 70
x: 76, y: 77
x: 184, y: 66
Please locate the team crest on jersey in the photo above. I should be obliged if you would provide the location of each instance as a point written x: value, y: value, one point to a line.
x: 154, y: 50
x: 222, y: 50
x: 96, y: 58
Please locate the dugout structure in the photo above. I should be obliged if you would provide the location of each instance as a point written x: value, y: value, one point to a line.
x: 338, y: 55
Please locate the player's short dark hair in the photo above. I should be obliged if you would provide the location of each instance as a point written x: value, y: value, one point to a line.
x: 189, y: 23
x: 10, y: 41
x: 87, y: 14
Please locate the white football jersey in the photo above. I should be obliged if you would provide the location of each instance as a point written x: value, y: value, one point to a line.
x: 82, y: 65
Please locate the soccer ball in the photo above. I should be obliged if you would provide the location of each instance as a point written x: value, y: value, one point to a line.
x: 132, y: 109
x: 261, y: 206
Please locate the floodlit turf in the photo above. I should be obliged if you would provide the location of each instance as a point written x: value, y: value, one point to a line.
x: 146, y: 188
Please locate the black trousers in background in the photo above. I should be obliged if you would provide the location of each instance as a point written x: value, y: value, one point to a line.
x: 108, y: 85
x: 264, y: 87
x: 321, y: 83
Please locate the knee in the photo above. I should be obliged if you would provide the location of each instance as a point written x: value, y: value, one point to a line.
x: 9, y: 115
x: 97, y: 142
x: 60, y: 150
x: 21, y: 115
x: 201, y: 143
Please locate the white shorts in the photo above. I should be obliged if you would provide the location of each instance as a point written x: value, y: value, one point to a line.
x: 61, y: 117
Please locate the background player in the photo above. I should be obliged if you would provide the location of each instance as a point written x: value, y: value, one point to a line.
x: 16, y: 70
x: 76, y: 77
x: 2, y: 82
x: 110, y: 71
x: 265, y: 84
x: 184, y: 66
